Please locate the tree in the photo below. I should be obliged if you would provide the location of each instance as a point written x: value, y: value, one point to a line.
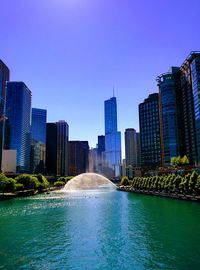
x: 125, y: 181
x: 184, y: 160
x: 29, y: 181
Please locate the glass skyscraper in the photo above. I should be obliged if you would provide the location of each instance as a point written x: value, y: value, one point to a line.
x: 4, y: 77
x: 18, y: 129
x: 168, y: 84
x: 194, y: 60
x: 62, y: 147
x: 150, y: 139
x: 78, y: 157
x: 112, y: 138
x: 38, y: 140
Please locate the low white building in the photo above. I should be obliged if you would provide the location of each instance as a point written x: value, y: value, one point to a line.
x: 9, y: 161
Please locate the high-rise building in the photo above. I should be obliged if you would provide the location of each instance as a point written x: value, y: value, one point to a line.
x: 101, y: 154
x: 51, y: 148
x: 101, y: 144
x: 150, y: 142
x: 138, y: 149
x: 62, y: 147
x: 190, y: 85
x: 38, y: 140
x: 131, y: 147
x: 180, y: 110
x: 17, y: 128
x: 4, y: 77
x: 78, y: 157
x: 170, y: 115
x: 112, y: 138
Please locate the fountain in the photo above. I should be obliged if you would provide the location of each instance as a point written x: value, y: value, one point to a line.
x: 89, y: 181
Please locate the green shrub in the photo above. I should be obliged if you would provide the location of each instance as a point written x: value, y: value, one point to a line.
x: 29, y: 181
x: 125, y: 181
x: 44, y: 183
x: 19, y: 187
x: 7, y: 184
x: 59, y: 184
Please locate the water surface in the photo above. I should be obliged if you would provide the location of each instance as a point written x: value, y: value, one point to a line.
x: 97, y: 230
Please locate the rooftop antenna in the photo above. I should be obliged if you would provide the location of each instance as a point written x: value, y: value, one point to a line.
x: 113, y: 91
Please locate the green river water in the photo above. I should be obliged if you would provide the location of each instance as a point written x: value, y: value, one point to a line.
x: 99, y: 230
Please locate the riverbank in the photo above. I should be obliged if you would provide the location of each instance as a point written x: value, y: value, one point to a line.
x: 160, y: 194
x: 25, y: 193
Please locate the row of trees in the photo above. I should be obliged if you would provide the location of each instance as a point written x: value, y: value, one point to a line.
x: 27, y: 182
x: 22, y: 182
x: 189, y: 184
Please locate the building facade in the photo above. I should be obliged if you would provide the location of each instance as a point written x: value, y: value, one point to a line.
x: 38, y: 140
x: 78, y: 157
x: 112, y: 138
x: 4, y: 77
x: 51, y: 148
x: 170, y: 115
x: 17, y: 127
x: 150, y: 139
x: 62, y: 147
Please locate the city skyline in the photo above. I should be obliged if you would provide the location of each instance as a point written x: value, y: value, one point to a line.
x: 96, y: 45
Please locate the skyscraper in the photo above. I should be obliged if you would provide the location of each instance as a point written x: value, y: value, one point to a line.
x: 38, y: 140
x: 4, y: 77
x: 51, y: 148
x: 78, y: 157
x: 150, y: 140
x: 180, y: 110
x: 112, y: 138
x: 190, y: 71
x: 62, y: 147
x: 170, y: 113
x: 17, y: 129
x: 131, y: 147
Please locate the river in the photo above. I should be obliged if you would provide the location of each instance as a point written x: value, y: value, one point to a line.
x: 99, y: 230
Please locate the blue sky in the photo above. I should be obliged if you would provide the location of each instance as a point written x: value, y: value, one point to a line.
x: 70, y: 53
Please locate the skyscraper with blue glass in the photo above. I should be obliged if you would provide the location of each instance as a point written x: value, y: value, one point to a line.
x: 18, y: 129
x: 170, y: 121
x: 38, y: 140
x: 4, y: 77
x: 112, y: 138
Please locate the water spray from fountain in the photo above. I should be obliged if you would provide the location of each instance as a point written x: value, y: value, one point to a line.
x: 89, y: 181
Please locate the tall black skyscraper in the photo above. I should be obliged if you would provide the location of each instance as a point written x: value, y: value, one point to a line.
x: 62, y: 147
x: 78, y: 157
x: 4, y: 77
x: 150, y: 140
x: 51, y: 148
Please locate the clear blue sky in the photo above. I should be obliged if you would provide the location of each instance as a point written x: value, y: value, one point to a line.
x: 70, y: 53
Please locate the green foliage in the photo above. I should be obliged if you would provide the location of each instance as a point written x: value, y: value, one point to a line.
x: 125, y: 181
x: 29, y: 181
x: 7, y: 184
x: 59, y: 184
x: 179, y: 161
x: 43, y: 181
x: 19, y: 187
x: 65, y: 178
x: 189, y: 184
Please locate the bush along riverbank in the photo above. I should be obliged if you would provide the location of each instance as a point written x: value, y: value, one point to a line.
x: 172, y: 186
x: 28, y: 185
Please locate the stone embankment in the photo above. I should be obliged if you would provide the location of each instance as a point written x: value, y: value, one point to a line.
x: 25, y: 193
x: 160, y: 194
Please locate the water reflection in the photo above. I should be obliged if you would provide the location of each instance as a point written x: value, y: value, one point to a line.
x: 95, y: 230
